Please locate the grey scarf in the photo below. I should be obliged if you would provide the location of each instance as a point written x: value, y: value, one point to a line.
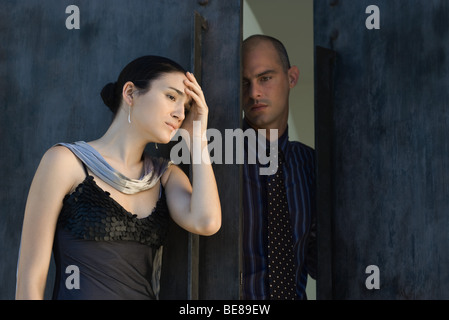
x: 153, y: 169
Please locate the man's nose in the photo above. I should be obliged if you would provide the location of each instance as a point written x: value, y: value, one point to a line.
x: 254, y: 91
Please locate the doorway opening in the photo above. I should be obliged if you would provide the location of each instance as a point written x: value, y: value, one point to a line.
x: 292, y: 23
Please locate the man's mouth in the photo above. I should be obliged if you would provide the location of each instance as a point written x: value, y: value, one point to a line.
x: 258, y: 106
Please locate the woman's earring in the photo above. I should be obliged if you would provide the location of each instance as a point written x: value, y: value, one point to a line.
x: 155, y: 144
x: 129, y: 115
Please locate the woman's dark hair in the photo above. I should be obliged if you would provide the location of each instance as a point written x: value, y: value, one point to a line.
x: 141, y: 71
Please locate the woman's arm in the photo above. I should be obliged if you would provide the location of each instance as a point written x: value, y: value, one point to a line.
x: 53, y: 180
x: 195, y: 207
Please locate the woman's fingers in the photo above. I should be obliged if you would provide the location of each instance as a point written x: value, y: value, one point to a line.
x: 192, y: 78
x: 193, y: 89
x: 193, y: 84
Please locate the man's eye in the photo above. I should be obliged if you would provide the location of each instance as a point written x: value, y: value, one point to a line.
x: 263, y: 79
x: 171, y: 97
x: 245, y: 83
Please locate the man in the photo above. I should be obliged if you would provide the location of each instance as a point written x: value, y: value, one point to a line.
x: 267, y: 80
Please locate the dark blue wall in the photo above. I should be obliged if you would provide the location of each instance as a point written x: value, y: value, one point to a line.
x: 389, y: 149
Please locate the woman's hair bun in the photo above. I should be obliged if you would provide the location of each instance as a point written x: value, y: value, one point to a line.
x: 141, y: 71
x: 108, y: 96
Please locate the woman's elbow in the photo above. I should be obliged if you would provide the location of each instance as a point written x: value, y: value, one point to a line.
x: 210, y: 227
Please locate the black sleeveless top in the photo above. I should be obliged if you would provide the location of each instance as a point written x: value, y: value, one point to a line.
x: 102, y: 251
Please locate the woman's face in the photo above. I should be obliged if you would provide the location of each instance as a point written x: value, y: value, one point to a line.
x: 159, y: 112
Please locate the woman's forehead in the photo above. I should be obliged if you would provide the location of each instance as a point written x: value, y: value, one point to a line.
x: 173, y: 78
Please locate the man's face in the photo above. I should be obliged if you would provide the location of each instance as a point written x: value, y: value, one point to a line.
x: 266, y: 87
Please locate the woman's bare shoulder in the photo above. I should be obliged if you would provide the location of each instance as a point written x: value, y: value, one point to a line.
x: 59, y: 156
x: 59, y: 163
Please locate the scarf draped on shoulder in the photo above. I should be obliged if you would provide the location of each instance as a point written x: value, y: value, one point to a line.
x: 154, y: 168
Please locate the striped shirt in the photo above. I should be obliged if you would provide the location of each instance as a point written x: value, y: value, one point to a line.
x: 299, y: 177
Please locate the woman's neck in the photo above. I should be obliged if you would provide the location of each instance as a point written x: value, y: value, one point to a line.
x: 121, y: 148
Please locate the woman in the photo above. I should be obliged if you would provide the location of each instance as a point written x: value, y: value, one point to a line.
x: 103, y: 206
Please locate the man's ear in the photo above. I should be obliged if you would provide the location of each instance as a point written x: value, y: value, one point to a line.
x: 293, y: 76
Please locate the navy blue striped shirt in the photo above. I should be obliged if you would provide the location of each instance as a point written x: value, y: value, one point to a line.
x: 299, y: 177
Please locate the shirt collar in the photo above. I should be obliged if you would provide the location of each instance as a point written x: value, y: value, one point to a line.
x: 282, y: 140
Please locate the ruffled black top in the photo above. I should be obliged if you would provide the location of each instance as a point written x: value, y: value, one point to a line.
x: 102, y: 251
x: 90, y: 213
